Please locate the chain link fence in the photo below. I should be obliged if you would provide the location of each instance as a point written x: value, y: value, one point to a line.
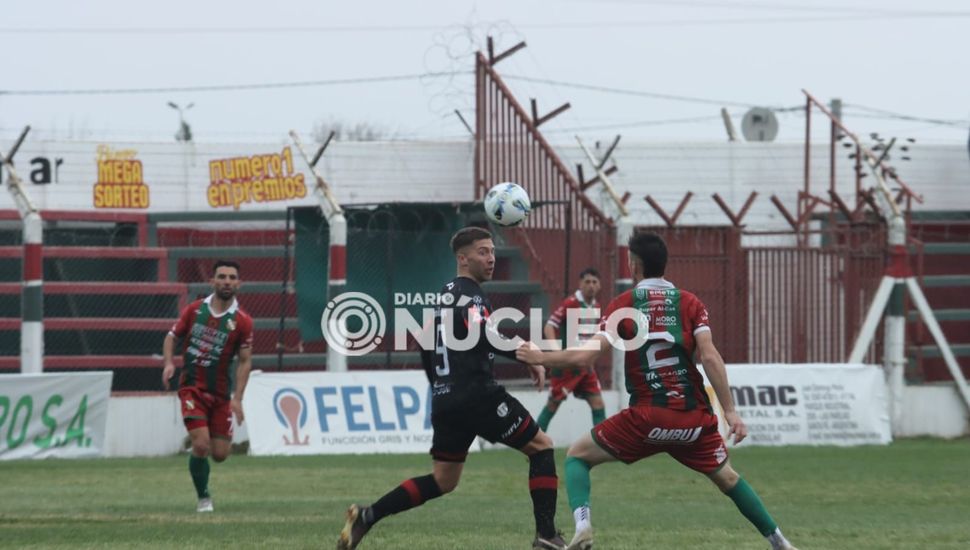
x: 114, y: 285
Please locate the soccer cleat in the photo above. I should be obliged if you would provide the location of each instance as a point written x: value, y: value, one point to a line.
x: 582, y: 540
x: 354, y: 529
x: 205, y: 505
x: 554, y: 543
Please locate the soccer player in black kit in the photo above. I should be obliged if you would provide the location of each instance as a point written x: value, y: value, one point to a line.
x: 468, y: 402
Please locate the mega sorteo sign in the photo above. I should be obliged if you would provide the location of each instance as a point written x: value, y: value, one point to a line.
x: 53, y: 415
x: 121, y: 180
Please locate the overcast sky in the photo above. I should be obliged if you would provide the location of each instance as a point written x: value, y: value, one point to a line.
x: 883, y: 58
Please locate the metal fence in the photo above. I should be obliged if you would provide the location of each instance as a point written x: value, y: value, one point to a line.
x: 509, y: 147
x: 780, y: 304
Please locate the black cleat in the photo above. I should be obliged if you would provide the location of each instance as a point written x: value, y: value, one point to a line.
x: 354, y: 529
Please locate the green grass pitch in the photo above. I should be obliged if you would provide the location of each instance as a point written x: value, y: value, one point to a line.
x: 912, y: 494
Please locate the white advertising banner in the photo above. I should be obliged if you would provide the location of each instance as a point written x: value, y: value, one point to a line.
x: 811, y: 404
x: 173, y: 177
x: 338, y: 412
x: 59, y: 415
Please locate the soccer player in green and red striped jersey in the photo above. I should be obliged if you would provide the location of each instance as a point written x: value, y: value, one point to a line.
x: 660, y: 327
x: 581, y: 382
x: 213, y: 331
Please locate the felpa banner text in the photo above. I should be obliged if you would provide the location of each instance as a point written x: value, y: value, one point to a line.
x: 338, y: 413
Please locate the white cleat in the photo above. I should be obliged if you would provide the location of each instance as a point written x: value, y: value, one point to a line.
x: 205, y: 505
x: 582, y: 540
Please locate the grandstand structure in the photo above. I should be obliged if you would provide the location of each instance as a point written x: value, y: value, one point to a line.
x: 785, y: 284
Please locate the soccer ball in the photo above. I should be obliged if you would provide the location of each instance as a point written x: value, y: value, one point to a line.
x: 507, y: 204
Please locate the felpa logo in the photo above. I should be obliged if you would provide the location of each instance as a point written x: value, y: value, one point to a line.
x: 189, y: 404
x: 674, y: 435
x: 502, y: 410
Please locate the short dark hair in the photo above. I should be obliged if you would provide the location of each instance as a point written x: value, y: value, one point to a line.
x: 225, y: 263
x: 466, y: 236
x: 650, y: 249
x: 589, y: 271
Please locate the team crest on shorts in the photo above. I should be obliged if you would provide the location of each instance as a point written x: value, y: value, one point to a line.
x: 502, y: 410
x: 231, y: 325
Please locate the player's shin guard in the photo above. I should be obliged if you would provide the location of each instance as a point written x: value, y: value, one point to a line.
x: 545, y: 417
x: 410, y: 494
x: 577, y: 482
x: 750, y: 505
x: 543, y: 486
x: 199, y: 469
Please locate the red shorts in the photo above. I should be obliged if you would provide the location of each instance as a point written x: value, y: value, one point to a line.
x: 201, y: 409
x: 691, y: 437
x: 581, y: 384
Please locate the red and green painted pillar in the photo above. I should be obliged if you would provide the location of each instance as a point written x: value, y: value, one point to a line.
x: 32, y: 297
x: 337, y: 361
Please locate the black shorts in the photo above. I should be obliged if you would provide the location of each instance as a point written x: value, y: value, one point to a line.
x: 498, y: 418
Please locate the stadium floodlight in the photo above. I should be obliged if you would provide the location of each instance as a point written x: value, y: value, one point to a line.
x: 897, y: 279
x: 899, y: 273
x: 185, y: 132
x: 32, y: 293
x: 334, y: 214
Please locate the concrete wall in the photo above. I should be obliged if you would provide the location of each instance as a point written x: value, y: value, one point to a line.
x: 936, y: 411
x: 152, y: 425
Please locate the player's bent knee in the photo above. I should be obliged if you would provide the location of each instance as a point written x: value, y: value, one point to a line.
x: 725, y: 478
x: 446, y: 484
x: 582, y: 447
x: 220, y: 457
x: 540, y: 442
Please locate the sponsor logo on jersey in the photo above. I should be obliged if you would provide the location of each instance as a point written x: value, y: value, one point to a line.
x: 515, y: 426
x: 502, y: 410
x: 189, y: 404
x: 674, y: 435
x: 231, y: 325
x: 720, y: 455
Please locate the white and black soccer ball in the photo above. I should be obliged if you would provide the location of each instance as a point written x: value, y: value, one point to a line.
x: 507, y: 204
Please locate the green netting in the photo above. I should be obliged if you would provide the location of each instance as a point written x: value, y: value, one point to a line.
x: 394, y: 249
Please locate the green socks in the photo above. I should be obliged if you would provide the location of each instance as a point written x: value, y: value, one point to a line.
x: 599, y: 415
x: 544, y: 417
x: 746, y: 500
x: 199, y: 468
x: 577, y: 482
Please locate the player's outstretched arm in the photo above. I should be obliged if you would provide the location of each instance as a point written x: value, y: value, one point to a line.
x: 242, y: 378
x: 580, y: 356
x: 168, y: 352
x: 713, y: 364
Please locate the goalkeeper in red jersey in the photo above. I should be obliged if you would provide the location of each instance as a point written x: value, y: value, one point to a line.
x: 213, y: 332
x: 581, y: 381
x: 660, y: 327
